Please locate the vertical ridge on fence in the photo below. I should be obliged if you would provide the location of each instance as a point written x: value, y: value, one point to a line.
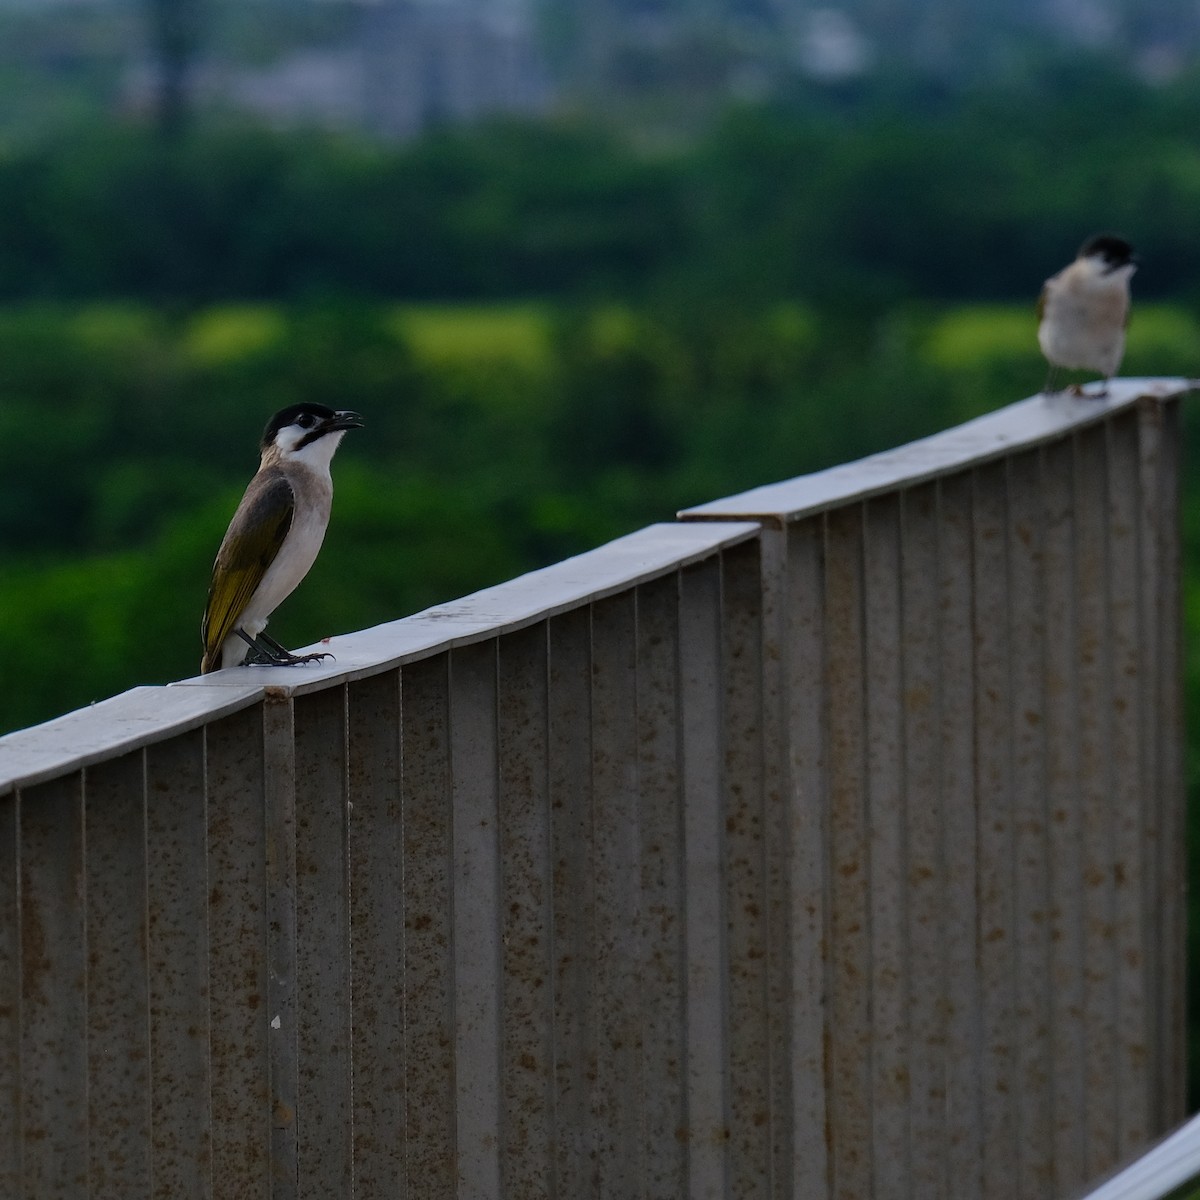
x: 279, y: 794
x: 378, y: 913
x: 478, y: 960
x: 324, y: 1033
x: 53, y: 1047
x: 427, y: 831
x: 118, y: 1090
x: 239, y: 925
x: 1064, y: 843
x: 1129, y: 822
x: 1094, y: 684
x: 801, y: 581
x: 992, y: 794
x: 1161, y: 706
x: 660, y: 884
x: 526, y: 918
x: 920, y: 869
x: 747, y: 897
x: 180, y: 1019
x: 884, y: 787
x: 956, y: 741
x: 570, y: 796
x: 1031, y: 1038
x: 849, y: 1081
x: 705, y: 946
x: 616, y: 1100
x: 777, y: 826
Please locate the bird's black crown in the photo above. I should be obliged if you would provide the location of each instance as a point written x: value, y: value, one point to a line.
x: 1115, y: 251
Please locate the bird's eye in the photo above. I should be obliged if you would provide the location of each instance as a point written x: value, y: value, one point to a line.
x: 305, y: 420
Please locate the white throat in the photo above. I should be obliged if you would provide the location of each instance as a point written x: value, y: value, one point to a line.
x: 316, y: 456
x: 1100, y: 274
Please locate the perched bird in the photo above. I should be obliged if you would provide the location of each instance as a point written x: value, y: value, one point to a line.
x: 1084, y: 309
x: 273, y: 538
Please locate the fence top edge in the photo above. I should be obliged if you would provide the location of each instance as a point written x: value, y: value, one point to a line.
x: 506, y: 607
x: 1020, y: 426
x: 110, y: 728
x: 1158, y: 1172
x: 149, y: 714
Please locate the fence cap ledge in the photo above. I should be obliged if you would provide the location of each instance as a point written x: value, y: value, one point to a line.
x: 630, y: 560
x: 1157, y: 1172
x: 1022, y: 425
x: 110, y: 728
x: 149, y: 714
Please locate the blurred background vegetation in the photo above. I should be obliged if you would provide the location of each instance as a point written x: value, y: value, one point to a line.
x: 579, y: 266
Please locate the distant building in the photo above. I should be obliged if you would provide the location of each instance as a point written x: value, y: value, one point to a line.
x: 449, y: 62
x: 408, y: 65
x: 397, y: 67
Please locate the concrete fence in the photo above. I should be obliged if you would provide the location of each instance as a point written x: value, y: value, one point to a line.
x: 826, y: 842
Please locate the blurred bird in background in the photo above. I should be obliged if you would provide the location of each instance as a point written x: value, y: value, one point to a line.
x: 1084, y: 309
x: 274, y: 537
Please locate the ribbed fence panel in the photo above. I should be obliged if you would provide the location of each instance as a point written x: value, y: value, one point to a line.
x: 324, y: 1033
x: 825, y: 843
x: 239, y: 933
x: 987, y: 868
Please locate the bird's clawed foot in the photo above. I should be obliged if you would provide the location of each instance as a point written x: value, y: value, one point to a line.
x: 287, y: 658
x: 265, y: 651
x: 1078, y: 390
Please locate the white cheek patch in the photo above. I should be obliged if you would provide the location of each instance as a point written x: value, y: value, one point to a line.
x: 288, y: 438
x: 319, y: 454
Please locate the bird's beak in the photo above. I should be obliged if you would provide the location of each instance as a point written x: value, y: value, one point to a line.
x: 345, y: 419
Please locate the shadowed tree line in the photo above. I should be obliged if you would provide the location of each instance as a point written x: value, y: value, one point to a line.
x: 852, y: 202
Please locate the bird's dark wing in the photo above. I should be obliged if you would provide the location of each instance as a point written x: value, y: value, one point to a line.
x: 251, y: 543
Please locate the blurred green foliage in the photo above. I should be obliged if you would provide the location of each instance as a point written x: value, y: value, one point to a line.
x: 839, y: 197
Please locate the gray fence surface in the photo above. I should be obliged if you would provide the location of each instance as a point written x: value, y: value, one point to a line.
x: 826, y: 842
